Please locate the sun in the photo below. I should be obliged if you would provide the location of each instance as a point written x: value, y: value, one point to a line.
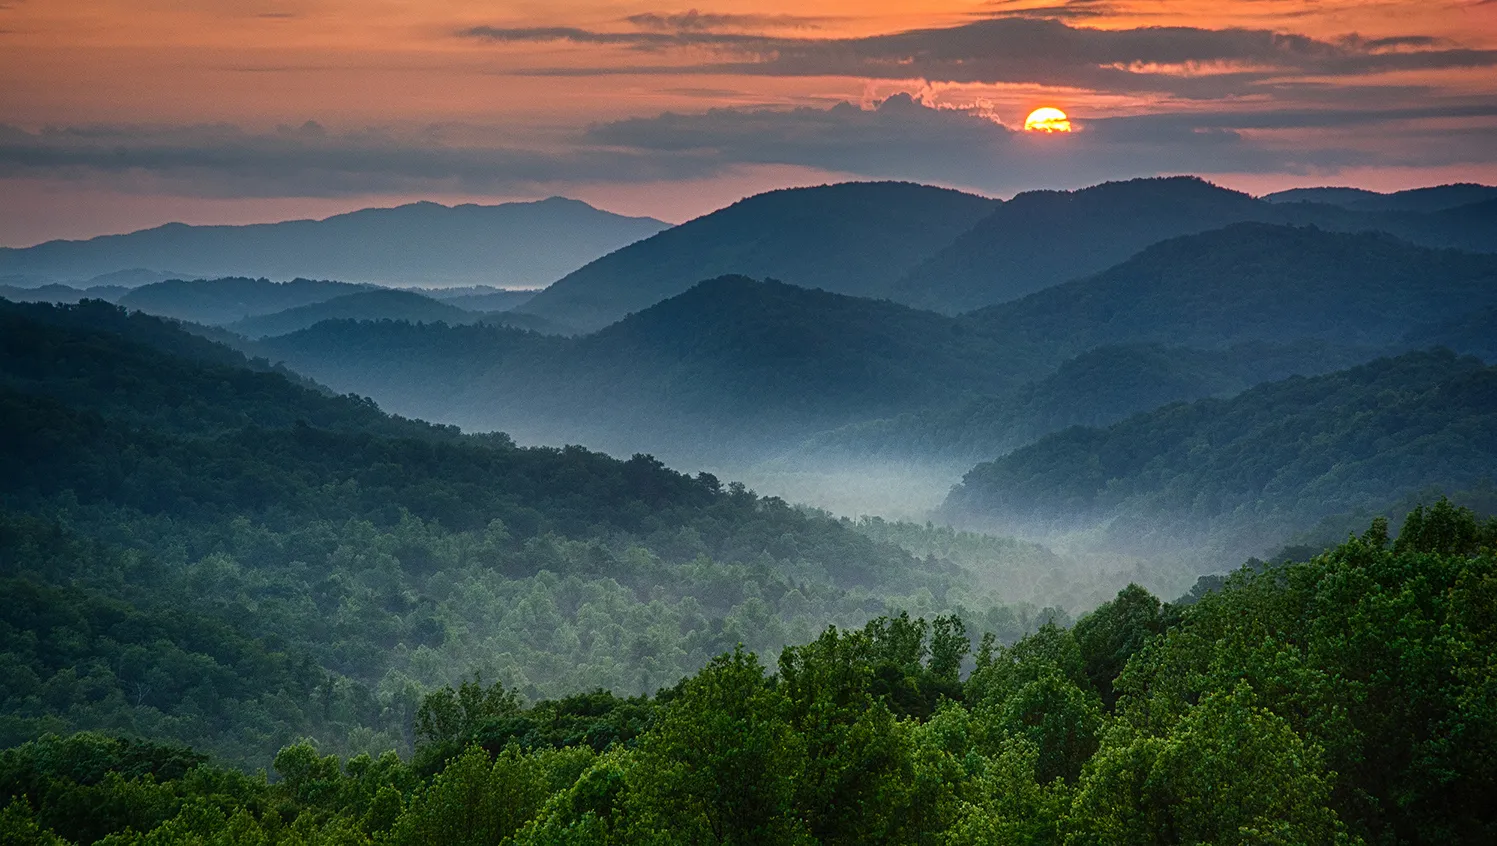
x: 1047, y: 119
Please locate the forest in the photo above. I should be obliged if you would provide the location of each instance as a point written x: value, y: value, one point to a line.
x: 1187, y: 537
x: 1346, y: 699
x: 205, y: 549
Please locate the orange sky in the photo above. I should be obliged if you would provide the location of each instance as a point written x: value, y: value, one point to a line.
x: 116, y: 115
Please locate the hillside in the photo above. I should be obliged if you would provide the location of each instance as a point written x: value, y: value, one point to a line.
x: 1431, y: 199
x: 1044, y: 238
x: 1314, y: 699
x: 1251, y: 468
x: 144, y: 372
x: 223, y: 301
x: 1472, y: 333
x: 1248, y: 282
x: 853, y: 238
x: 730, y: 367
x: 1098, y: 387
x: 513, y: 245
x: 193, y: 518
x: 383, y: 304
x: 57, y: 293
x: 477, y: 299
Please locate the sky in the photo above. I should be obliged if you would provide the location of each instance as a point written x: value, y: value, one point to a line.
x: 117, y: 115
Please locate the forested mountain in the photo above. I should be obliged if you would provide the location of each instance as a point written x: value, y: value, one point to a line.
x: 1431, y: 199
x: 735, y: 370
x: 1472, y: 333
x: 1250, y: 469
x: 853, y: 238
x: 222, y: 301
x: 1249, y: 282
x: 714, y: 373
x: 383, y: 304
x: 224, y: 556
x: 1098, y: 387
x: 482, y: 299
x: 513, y: 245
x: 1341, y: 700
x: 143, y: 372
x: 57, y: 293
x: 1043, y: 238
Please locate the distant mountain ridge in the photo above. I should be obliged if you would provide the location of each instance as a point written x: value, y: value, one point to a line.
x: 1249, y: 282
x: 729, y: 363
x: 222, y: 301
x: 1044, y: 238
x: 853, y: 238
x: 1098, y: 387
x: 1432, y: 199
x: 755, y: 368
x: 512, y: 245
x: 379, y: 304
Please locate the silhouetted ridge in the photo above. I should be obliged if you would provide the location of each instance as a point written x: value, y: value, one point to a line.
x: 1251, y: 282
x: 421, y: 244
x: 852, y: 238
x: 383, y: 304
x: 1040, y: 239
x: 1432, y: 199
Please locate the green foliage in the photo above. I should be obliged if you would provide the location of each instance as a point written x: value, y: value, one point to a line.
x: 1347, y: 699
x: 1098, y: 387
x: 1375, y: 653
x: 1110, y: 635
x: 723, y: 762
x: 1247, y: 471
x: 1227, y: 773
x: 318, y: 591
x: 189, y: 561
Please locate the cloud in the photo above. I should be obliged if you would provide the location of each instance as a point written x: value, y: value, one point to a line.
x: 900, y: 137
x: 903, y: 138
x: 311, y: 161
x: 1182, y: 60
x: 695, y: 21
x: 1072, y: 9
x: 633, y: 40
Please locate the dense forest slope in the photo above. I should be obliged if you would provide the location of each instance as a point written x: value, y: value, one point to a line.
x: 1281, y: 455
x: 514, y: 245
x: 382, y: 304
x: 762, y: 366
x: 728, y: 366
x: 853, y: 238
x: 172, y: 513
x: 1043, y: 238
x: 1249, y: 282
x: 226, y: 300
x: 1346, y: 699
x: 1098, y: 387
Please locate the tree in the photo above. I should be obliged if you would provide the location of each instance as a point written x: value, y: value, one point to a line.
x: 722, y: 764
x: 1231, y: 772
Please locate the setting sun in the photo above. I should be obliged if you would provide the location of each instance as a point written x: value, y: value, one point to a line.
x: 1047, y: 119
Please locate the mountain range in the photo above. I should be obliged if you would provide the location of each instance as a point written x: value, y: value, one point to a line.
x: 741, y: 369
x: 513, y: 245
x: 854, y: 238
x: 1044, y: 238
x: 1432, y: 199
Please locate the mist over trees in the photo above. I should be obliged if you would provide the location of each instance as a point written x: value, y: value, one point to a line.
x: 756, y: 532
x: 1265, y: 710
